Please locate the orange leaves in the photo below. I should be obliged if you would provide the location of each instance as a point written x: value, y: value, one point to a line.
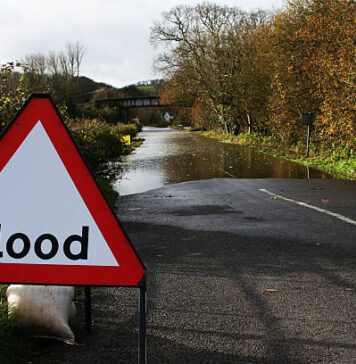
x: 167, y: 96
x: 300, y: 60
x: 313, y: 53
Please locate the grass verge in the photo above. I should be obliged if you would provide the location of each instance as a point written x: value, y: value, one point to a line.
x: 13, y: 347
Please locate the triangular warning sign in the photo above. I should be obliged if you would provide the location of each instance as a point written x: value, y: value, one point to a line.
x: 55, y: 224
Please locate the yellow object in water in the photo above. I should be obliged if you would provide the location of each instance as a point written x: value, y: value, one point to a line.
x: 126, y: 139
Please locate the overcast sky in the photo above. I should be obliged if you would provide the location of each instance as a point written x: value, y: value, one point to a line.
x: 115, y: 33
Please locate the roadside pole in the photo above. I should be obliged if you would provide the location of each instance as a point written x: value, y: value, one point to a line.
x: 142, y: 324
x: 308, y: 140
x: 308, y: 119
x: 88, y: 308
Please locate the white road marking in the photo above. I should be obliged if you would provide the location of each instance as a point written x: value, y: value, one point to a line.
x: 327, y: 212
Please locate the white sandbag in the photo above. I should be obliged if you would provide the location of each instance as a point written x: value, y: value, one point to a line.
x: 43, y: 310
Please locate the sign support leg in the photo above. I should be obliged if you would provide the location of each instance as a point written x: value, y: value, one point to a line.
x: 308, y: 140
x: 88, y: 308
x: 142, y: 326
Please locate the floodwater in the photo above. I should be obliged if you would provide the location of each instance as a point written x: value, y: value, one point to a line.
x: 172, y: 156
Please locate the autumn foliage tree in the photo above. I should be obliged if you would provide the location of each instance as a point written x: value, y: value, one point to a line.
x: 311, y: 47
x: 331, y: 33
x: 205, y: 53
x: 241, y: 71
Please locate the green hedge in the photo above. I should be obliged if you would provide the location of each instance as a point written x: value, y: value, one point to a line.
x: 99, y: 141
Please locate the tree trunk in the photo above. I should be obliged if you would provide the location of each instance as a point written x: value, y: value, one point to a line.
x: 248, y: 123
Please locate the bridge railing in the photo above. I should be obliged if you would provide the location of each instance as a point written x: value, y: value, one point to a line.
x: 131, y: 102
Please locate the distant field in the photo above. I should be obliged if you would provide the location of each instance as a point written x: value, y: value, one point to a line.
x: 149, y: 90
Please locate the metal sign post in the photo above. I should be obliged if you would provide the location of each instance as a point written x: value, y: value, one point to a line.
x: 142, y: 324
x: 308, y: 119
x: 88, y: 308
x: 308, y: 140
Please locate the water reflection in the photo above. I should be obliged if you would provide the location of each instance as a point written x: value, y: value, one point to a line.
x: 172, y: 156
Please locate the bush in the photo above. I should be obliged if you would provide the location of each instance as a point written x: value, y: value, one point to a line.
x: 128, y: 129
x: 108, y: 191
x: 99, y: 141
x: 162, y: 124
x: 11, y: 98
x: 110, y: 115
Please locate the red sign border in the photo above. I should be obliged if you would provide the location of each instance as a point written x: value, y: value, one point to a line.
x: 131, y: 270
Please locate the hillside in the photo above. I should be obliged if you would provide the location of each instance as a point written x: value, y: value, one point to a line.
x: 104, y: 91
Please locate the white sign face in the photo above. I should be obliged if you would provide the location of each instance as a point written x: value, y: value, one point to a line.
x: 43, y: 218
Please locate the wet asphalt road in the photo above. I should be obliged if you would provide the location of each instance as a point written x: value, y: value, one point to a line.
x: 234, y: 276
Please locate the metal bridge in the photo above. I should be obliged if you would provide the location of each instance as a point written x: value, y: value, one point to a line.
x: 131, y: 102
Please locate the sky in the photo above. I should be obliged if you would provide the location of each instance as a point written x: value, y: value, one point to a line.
x: 115, y: 33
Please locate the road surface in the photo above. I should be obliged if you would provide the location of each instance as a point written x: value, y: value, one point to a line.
x: 235, y: 275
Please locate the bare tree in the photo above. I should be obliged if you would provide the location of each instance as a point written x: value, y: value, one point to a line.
x: 36, y: 63
x: 79, y: 55
x: 208, y: 50
x: 199, y: 46
x: 70, y: 59
x: 75, y: 53
x: 53, y: 63
x: 35, y: 66
x: 63, y: 64
x: 57, y: 73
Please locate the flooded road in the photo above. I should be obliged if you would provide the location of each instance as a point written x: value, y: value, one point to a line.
x: 171, y: 156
